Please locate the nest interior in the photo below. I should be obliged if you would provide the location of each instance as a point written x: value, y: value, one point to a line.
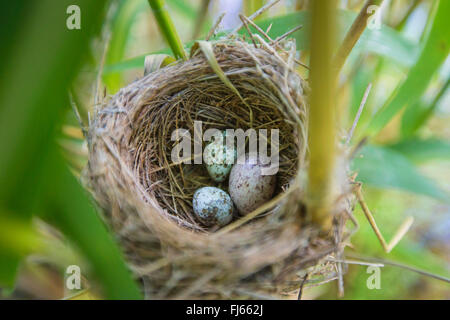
x: 147, y: 199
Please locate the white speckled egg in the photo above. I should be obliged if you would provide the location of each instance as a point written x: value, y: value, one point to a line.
x: 213, y: 206
x: 218, y: 160
x: 248, y: 188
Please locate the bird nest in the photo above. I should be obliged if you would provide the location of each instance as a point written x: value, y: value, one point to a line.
x: 147, y: 198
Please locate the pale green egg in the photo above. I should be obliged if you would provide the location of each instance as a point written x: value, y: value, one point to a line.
x: 219, y: 160
x: 212, y: 206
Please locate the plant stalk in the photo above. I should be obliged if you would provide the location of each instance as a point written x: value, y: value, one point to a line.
x: 322, y: 126
x: 354, y: 33
x: 168, y: 28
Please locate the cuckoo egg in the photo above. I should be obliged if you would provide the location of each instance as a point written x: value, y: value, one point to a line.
x: 219, y: 159
x: 248, y: 187
x: 213, y: 206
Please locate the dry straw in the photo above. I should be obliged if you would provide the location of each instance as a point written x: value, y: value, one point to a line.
x: 146, y: 199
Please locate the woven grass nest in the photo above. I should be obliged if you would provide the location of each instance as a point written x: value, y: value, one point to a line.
x: 147, y: 199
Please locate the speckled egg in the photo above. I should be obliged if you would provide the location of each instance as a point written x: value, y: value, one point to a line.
x: 248, y: 188
x: 213, y: 206
x: 219, y: 160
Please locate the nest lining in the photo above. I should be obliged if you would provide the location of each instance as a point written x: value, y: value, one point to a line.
x: 147, y: 199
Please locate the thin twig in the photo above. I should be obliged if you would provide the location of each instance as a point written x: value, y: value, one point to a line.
x: 246, y: 21
x: 242, y: 17
x: 300, y: 291
x: 358, y: 114
x: 215, y: 26
x: 370, y: 217
x: 318, y: 284
x: 301, y: 64
x: 287, y: 34
x: 339, y: 251
x: 360, y: 263
x: 76, y: 111
x: 401, y: 265
x: 276, y: 41
x: 411, y: 8
x: 355, y: 32
x: 402, y: 230
x: 98, y: 82
x: 358, y: 147
x: 256, y: 14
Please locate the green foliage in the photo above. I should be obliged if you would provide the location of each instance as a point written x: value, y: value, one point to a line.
x: 121, y: 25
x: 396, y: 283
x: 68, y: 209
x: 419, y: 112
x: 395, y: 46
x: 17, y: 239
x: 183, y: 7
x: 422, y: 150
x: 37, y: 70
x: 40, y: 58
x: 386, y: 168
x: 435, y: 51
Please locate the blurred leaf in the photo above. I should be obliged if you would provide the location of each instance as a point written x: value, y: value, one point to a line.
x: 133, y: 63
x: 17, y: 239
x: 67, y: 208
x: 32, y: 92
x: 395, y: 281
x: 12, y: 16
x: 390, y: 209
x: 120, y: 30
x: 434, y: 53
x: 139, y: 61
x: 418, y: 113
x: 386, y: 42
x: 202, y: 16
x: 386, y: 168
x: 420, y: 150
x: 184, y: 8
x: 17, y: 236
x: 37, y: 70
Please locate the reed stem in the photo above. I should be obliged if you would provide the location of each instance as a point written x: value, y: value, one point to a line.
x: 322, y: 126
x: 167, y: 28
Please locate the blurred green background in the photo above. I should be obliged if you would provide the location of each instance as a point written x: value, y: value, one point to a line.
x: 52, y: 78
